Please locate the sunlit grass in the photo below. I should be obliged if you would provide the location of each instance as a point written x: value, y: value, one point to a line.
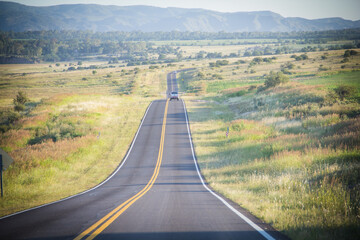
x: 292, y: 153
x: 73, y: 135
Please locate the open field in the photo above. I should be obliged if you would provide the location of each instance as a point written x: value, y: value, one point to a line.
x: 75, y: 129
x: 292, y: 154
x: 291, y: 157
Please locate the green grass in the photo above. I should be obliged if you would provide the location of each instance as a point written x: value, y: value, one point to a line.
x: 292, y: 155
x: 331, y: 81
x: 74, y: 132
x: 216, y: 86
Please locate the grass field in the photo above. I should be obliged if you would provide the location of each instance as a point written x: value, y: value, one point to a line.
x: 292, y: 156
x: 75, y: 129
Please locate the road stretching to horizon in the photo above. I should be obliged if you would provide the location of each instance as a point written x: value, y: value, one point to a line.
x: 156, y: 193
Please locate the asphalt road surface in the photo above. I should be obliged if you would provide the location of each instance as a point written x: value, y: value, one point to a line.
x: 156, y: 193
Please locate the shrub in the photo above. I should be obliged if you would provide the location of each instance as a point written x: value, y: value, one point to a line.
x: 349, y: 53
x: 60, y: 127
x: 323, y: 68
x: 301, y: 57
x: 218, y: 76
x: 19, y: 101
x: 344, y: 91
x: 8, y: 120
x: 274, y: 79
x: 201, y: 75
x: 237, y: 94
x: 240, y: 62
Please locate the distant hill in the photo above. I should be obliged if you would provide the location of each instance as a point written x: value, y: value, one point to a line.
x: 17, y: 17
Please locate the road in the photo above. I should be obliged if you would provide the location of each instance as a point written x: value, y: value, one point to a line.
x: 156, y: 193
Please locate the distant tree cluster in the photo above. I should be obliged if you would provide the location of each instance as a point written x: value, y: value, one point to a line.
x: 219, y: 63
x: 314, y: 37
x: 136, y: 48
x: 63, y: 49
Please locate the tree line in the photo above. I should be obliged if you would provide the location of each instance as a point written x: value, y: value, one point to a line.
x: 305, y: 36
x: 136, y: 47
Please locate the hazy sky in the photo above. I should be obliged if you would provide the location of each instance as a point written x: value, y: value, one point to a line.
x: 310, y: 9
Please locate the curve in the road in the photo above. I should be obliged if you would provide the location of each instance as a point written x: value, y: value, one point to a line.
x: 104, y: 222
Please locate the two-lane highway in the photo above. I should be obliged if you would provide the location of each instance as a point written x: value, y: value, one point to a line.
x: 156, y: 193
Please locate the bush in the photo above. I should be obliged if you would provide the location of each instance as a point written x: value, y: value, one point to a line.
x: 60, y: 127
x: 8, y: 120
x: 344, y: 91
x: 301, y: 57
x: 349, y: 53
x: 19, y: 107
x: 237, y: 94
x: 218, y: 76
x: 201, y: 75
x: 274, y: 79
x: 19, y: 101
x: 322, y: 68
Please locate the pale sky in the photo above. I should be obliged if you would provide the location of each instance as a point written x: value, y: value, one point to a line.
x: 310, y: 9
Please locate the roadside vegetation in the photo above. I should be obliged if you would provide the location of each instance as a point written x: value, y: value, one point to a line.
x: 68, y: 131
x: 292, y: 152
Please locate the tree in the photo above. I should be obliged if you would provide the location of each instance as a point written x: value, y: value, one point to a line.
x: 344, y: 91
x: 349, y: 53
x: 201, y: 75
x: 274, y: 79
x: 19, y: 101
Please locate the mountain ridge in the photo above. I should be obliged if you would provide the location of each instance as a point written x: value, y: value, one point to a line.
x: 102, y: 18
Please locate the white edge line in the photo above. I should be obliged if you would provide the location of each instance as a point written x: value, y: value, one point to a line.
x: 100, y: 184
x: 256, y: 227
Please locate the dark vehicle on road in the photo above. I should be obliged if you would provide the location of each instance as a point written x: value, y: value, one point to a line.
x: 174, y: 95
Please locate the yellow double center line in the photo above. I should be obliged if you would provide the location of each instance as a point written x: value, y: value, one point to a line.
x: 103, y: 223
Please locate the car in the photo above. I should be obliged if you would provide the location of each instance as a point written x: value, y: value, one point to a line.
x: 174, y: 95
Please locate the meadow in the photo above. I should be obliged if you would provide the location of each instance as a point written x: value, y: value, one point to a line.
x: 75, y: 129
x: 292, y: 152
x: 291, y: 156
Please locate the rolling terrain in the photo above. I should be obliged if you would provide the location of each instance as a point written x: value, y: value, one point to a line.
x: 17, y: 17
x: 156, y: 193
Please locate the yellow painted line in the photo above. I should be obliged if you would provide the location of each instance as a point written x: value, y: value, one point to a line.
x: 104, y: 222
